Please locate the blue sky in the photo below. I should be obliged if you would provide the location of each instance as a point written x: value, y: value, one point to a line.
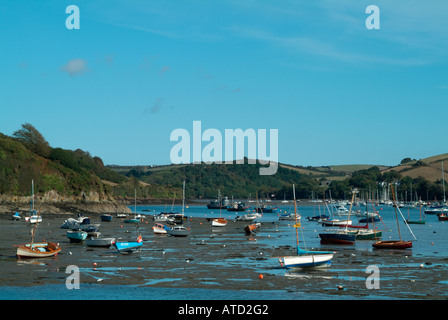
x: 337, y: 92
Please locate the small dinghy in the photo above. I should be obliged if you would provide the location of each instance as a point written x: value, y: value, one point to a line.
x: 129, y: 246
x: 160, y: 228
x: 178, y: 231
x: 76, y: 236
x: 99, y: 242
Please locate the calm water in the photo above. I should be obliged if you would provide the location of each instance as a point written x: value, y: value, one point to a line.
x: 432, y: 237
x: 432, y: 243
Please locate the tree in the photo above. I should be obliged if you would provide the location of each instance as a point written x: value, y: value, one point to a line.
x: 33, y: 140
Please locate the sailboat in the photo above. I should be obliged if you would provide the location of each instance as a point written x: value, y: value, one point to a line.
x: 180, y: 230
x: 342, y: 236
x: 304, y: 258
x: 34, y: 217
x: 38, y: 249
x: 219, y: 222
x: 420, y: 221
x: 135, y: 219
x: 395, y: 244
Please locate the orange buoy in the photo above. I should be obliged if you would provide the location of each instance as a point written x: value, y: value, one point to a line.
x: 260, y: 277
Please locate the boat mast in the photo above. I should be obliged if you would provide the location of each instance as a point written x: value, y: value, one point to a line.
x: 395, y: 206
x: 183, y: 199
x: 32, y: 197
x: 135, y: 201
x: 295, y: 218
x: 443, y: 183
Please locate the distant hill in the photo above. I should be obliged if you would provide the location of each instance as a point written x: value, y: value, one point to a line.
x: 77, y: 175
x: 237, y: 180
x: 429, y: 168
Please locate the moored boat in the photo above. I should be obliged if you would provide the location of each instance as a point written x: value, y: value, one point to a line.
x: 128, y: 246
x: 219, y: 222
x: 38, y: 250
x: 395, y: 244
x: 318, y: 218
x: 248, y: 217
x: 159, y: 228
x: 219, y: 203
x: 337, y: 237
x: 251, y: 228
x: 305, y: 259
x: 288, y: 217
x: 178, y: 231
x: 367, y: 234
x: 237, y: 207
x: 392, y: 244
x: 76, y: 236
x: 106, y: 217
x: 335, y: 222
x: 308, y: 259
x: 99, y: 242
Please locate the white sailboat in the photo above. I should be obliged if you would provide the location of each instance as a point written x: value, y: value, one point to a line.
x: 180, y: 230
x: 304, y: 258
x: 34, y: 217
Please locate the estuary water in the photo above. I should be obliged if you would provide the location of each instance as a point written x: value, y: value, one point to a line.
x: 226, y: 264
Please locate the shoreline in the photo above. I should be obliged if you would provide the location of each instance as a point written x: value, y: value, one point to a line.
x: 116, y: 206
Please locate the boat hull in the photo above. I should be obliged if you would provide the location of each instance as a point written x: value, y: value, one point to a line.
x: 416, y: 221
x: 184, y: 232
x: 132, y: 221
x: 367, y: 234
x: 33, y: 219
x: 308, y: 261
x: 332, y: 223
x: 337, y: 238
x: 392, y: 244
x: 220, y: 222
x: 76, y: 236
x: 128, y: 247
x: 106, y: 217
x: 38, y: 250
x: 251, y: 228
x: 100, y: 242
x: 159, y: 228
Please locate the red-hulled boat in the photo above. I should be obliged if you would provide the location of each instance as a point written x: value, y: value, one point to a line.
x: 392, y: 244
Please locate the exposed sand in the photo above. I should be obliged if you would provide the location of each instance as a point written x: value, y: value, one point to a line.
x: 214, y: 258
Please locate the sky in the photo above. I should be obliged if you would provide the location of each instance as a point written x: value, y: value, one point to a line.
x: 135, y: 71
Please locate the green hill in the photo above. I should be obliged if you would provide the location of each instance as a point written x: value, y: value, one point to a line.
x: 237, y: 180
x: 27, y: 156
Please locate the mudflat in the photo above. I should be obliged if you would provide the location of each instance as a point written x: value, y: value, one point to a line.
x: 215, y: 258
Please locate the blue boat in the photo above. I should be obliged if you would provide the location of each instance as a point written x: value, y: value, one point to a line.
x: 129, y: 246
x: 76, y: 235
x: 337, y: 237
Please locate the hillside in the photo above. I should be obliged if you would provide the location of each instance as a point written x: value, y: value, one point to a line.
x: 429, y: 168
x: 67, y: 176
x: 237, y: 180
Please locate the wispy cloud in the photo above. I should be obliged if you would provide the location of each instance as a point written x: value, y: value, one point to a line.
x: 164, y: 70
x: 319, y: 46
x: 75, y: 67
